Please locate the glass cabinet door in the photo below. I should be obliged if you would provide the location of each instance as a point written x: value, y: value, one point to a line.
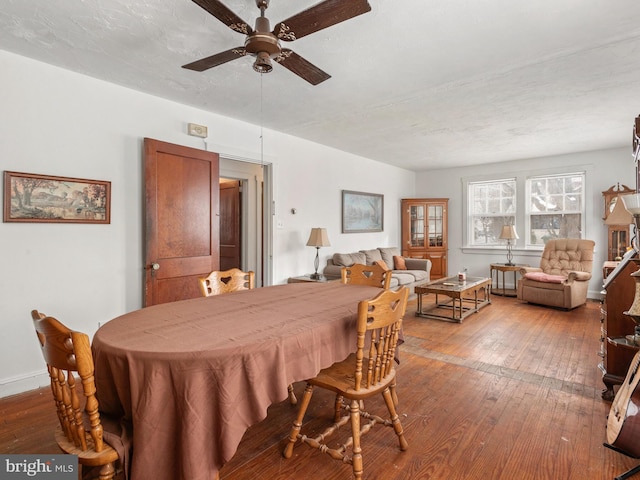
x: 417, y: 237
x: 436, y: 225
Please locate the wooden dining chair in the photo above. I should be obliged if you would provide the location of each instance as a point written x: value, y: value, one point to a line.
x: 225, y: 281
x: 376, y: 275
x: 359, y: 274
x: 67, y: 353
x: 367, y: 372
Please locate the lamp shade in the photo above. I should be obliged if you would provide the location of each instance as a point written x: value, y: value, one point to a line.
x: 508, y: 233
x: 318, y: 238
x: 632, y: 203
x: 619, y: 215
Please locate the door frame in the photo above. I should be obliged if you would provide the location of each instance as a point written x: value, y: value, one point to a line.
x: 257, y: 229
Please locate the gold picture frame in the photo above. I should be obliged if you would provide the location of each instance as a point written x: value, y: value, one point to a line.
x: 35, y: 198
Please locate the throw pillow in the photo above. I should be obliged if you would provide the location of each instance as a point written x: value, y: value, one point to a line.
x: 387, y: 254
x: 399, y: 263
x: 544, y: 277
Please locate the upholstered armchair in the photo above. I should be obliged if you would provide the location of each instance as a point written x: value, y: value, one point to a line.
x: 562, y: 280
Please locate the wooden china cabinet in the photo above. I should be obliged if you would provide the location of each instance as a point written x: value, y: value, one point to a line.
x: 424, y: 232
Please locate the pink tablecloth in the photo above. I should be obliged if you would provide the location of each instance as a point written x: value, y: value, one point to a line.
x: 190, y: 377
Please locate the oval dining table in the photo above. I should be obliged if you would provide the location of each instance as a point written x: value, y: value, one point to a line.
x: 188, y: 378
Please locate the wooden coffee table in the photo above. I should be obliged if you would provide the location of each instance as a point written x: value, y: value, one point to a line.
x: 464, y: 298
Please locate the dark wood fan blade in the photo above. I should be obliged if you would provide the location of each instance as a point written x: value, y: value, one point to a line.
x: 320, y: 16
x: 301, y: 67
x: 226, y: 16
x: 215, y: 60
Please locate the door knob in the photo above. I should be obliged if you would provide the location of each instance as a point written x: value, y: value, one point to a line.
x: 155, y: 266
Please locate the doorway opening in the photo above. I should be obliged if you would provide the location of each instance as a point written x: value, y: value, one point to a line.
x: 243, y: 209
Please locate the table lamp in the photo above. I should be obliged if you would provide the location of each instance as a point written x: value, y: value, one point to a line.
x: 509, y: 233
x: 318, y: 238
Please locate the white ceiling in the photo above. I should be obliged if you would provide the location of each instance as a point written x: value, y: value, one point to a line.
x: 416, y: 83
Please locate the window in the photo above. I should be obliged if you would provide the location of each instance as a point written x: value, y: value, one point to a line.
x: 492, y: 204
x: 555, y: 207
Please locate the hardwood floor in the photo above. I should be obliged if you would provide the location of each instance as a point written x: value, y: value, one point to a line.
x: 511, y: 393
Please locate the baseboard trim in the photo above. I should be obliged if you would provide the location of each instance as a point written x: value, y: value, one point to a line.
x: 23, y: 383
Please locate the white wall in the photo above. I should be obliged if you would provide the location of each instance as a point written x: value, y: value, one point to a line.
x: 316, y: 196
x: 605, y: 168
x: 57, y: 122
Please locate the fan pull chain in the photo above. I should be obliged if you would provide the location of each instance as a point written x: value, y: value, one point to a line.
x: 261, y: 125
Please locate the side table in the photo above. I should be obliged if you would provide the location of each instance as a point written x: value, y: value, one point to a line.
x: 496, y: 289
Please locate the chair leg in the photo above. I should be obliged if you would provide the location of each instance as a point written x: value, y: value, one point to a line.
x: 395, y: 420
x: 292, y: 396
x: 355, y: 432
x: 337, y: 408
x: 106, y: 472
x: 297, y: 423
x: 394, y: 395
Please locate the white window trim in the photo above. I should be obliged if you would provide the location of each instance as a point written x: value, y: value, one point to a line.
x: 521, y: 177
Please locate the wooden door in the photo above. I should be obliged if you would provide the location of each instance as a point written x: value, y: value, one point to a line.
x: 230, y: 221
x: 182, y: 225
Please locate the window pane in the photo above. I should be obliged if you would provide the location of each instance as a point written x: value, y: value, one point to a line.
x: 486, y: 230
x: 555, y: 207
x: 549, y: 226
x: 491, y: 205
x: 555, y: 185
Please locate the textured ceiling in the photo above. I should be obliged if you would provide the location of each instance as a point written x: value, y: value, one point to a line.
x: 416, y: 83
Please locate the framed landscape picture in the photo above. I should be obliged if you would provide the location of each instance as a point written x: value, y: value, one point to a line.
x: 30, y: 197
x: 362, y: 212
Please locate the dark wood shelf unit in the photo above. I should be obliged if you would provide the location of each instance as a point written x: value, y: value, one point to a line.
x: 616, y: 352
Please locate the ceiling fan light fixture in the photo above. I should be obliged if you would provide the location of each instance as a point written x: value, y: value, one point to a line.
x: 262, y: 63
x: 264, y: 43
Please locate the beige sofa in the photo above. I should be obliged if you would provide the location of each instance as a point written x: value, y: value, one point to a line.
x: 417, y: 270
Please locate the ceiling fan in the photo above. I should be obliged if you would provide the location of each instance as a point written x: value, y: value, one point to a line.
x: 265, y: 44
